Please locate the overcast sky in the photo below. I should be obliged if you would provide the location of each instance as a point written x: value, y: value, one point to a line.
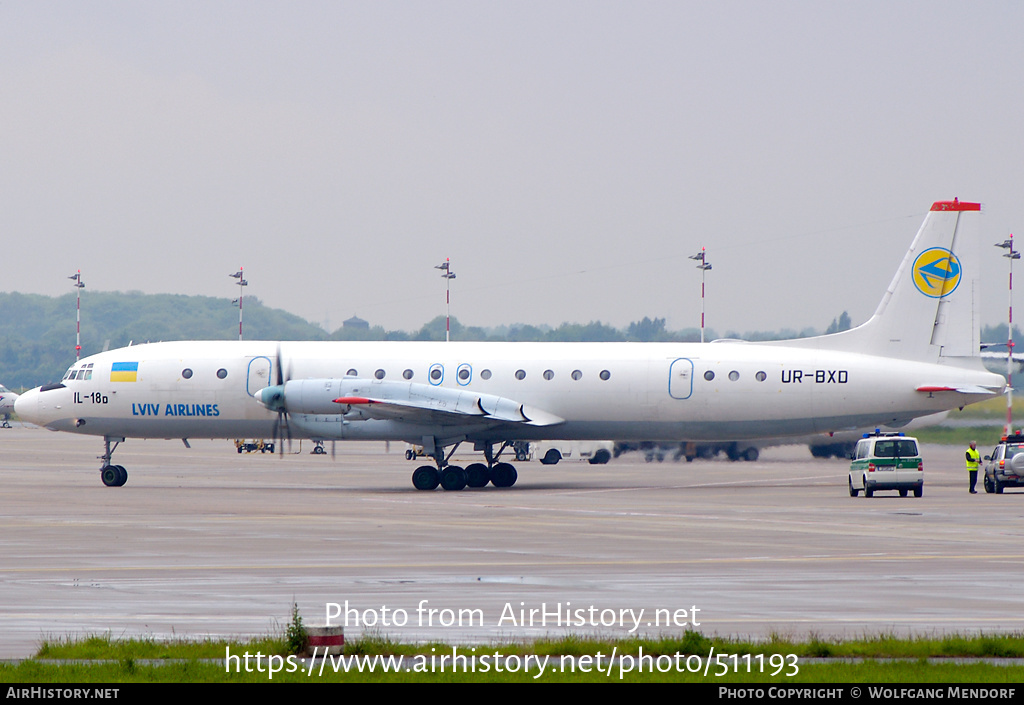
x: 567, y: 156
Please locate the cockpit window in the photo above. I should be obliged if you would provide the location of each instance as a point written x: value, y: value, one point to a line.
x: 82, y: 373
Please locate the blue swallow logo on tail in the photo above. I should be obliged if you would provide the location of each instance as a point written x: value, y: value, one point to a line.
x: 936, y: 272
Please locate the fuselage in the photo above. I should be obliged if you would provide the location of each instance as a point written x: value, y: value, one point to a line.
x: 7, y: 399
x: 620, y: 391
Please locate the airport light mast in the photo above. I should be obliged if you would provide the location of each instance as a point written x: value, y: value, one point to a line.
x: 447, y: 274
x: 241, y: 282
x: 79, y: 285
x: 704, y: 266
x: 1011, y: 254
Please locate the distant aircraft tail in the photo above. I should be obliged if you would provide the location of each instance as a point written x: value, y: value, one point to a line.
x: 931, y: 310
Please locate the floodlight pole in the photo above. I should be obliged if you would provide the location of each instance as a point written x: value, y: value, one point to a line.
x: 79, y: 285
x: 704, y: 266
x: 447, y: 274
x: 1011, y: 254
x: 241, y: 282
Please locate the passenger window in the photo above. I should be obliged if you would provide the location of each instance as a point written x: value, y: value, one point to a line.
x: 407, y: 374
x: 520, y: 374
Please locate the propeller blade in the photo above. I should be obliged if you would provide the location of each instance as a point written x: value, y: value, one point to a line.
x: 281, y: 426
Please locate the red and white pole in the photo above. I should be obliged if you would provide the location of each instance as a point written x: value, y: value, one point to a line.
x: 704, y: 266
x: 78, y: 318
x: 79, y: 285
x: 448, y: 274
x: 241, y: 280
x: 1009, y: 346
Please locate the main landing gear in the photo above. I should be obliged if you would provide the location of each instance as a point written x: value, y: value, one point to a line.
x: 112, y: 475
x: 454, y: 478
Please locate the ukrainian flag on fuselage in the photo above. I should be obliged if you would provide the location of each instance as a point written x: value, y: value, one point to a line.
x: 124, y: 372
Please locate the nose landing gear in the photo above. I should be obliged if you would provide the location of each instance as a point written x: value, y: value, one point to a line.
x: 112, y: 475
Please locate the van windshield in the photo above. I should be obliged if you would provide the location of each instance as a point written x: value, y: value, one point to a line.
x: 900, y: 448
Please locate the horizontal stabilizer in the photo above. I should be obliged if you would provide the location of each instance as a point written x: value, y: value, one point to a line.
x: 964, y: 389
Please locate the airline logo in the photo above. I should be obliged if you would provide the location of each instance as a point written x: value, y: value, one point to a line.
x: 936, y: 272
x: 124, y: 372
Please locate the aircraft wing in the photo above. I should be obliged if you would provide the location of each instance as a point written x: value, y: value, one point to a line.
x: 438, y: 411
x: 400, y: 401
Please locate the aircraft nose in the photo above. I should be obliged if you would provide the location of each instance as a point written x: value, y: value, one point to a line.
x: 27, y: 406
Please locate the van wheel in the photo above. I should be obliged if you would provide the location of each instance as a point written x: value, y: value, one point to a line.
x: 903, y: 493
x: 987, y: 482
x: 918, y: 491
x: 868, y: 492
x: 551, y: 457
x: 853, y: 491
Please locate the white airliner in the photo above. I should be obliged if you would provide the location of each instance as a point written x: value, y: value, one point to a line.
x: 918, y: 354
x: 7, y: 399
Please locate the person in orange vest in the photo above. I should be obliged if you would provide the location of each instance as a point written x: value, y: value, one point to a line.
x: 973, y: 461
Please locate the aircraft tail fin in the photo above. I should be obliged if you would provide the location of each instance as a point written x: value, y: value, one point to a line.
x: 931, y: 310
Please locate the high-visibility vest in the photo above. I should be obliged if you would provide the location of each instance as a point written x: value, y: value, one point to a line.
x: 973, y: 458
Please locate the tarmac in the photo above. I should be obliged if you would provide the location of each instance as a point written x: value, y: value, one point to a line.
x: 205, y: 542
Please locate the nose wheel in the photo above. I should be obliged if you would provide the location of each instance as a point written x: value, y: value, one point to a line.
x: 112, y: 475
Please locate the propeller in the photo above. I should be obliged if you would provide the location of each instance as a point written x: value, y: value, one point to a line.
x: 274, y: 400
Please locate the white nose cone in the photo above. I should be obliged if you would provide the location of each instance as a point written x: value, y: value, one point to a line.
x: 271, y: 397
x: 26, y: 406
